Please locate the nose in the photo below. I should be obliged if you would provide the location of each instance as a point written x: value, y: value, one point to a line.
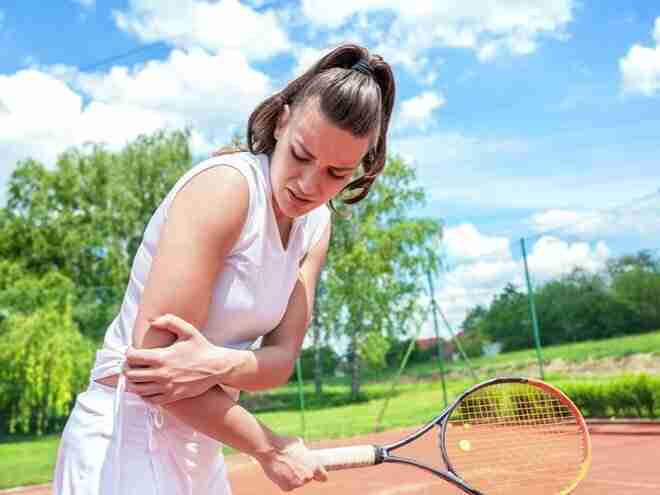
x: 309, y: 183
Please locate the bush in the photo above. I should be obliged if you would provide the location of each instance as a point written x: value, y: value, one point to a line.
x: 44, y: 363
x: 329, y: 362
x: 627, y: 396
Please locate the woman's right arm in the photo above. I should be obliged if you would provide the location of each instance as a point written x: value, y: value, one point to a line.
x: 204, y: 222
x: 217, y: 416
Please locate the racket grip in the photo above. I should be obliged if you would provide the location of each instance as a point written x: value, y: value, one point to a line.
x: 346, y: 457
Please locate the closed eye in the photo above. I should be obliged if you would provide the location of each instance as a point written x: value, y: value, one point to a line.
x: 336, y: 175
x: 298, y: 158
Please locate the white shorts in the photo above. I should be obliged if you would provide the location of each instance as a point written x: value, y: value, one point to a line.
x: 136, y: 452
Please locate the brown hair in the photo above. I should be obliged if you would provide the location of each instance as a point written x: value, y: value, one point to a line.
x: 359, y: 101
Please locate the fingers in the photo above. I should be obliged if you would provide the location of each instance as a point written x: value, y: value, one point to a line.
x: 144, y: 375
x: 179, y: 327
x: 143, y: 357
x: 158, y: 400
x: 145, y: 389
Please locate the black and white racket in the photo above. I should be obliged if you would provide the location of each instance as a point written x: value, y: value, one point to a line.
x: 504, y: 436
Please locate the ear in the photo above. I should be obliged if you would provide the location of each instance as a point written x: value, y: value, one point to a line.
x: 282, y: 121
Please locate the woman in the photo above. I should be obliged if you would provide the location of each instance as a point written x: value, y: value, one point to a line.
x: 235, y: 250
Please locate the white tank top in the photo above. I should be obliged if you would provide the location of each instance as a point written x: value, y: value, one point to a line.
x: 251, y: 293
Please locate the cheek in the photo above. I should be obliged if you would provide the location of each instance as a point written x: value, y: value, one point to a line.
x: 334, y: 187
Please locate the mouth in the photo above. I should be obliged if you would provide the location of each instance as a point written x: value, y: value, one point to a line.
x: 296, y: 199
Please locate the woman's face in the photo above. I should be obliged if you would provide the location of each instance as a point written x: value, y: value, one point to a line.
x: 313, y: 160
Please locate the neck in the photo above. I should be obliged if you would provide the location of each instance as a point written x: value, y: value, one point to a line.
x: 283, y: 221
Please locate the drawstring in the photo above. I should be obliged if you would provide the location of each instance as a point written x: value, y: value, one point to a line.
x: 117, y: 424
x: 155, y: 422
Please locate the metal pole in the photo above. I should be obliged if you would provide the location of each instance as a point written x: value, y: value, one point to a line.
x: 301, y: 396
x: 458, y: 343
x: 532, y: 310
x: 441, y: 357
x: 395, y: 382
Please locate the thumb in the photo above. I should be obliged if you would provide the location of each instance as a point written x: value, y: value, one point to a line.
x: 172, y: 323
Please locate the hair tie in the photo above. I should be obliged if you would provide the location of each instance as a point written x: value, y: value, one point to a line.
x: 363, y: 66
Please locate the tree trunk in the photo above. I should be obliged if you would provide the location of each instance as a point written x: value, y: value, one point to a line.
x: 355, y: 368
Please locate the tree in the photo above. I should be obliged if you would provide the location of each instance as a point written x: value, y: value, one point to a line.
x: 85, y: 218
x: 507, y: 320
x: 636, y: 284
x: 579, y: 306
x: 376, y: 263
x: 44, y: 364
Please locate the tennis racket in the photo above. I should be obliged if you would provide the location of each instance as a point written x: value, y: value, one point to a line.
x: 504, y: 436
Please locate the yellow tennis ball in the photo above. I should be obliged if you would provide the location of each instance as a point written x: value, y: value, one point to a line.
x: 466, y: 426
x: 464, y: 445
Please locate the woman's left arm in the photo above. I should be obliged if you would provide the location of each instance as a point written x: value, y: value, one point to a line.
x: 170, y: 373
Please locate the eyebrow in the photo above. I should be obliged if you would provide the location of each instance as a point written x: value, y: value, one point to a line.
x: 311, y: 156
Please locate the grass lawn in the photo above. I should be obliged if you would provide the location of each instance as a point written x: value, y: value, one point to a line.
x: 27, y: 461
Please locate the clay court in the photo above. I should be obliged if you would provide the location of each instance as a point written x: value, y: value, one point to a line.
x: 625, y: 462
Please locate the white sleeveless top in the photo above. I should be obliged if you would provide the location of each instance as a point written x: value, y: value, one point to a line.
x: 253, y: 288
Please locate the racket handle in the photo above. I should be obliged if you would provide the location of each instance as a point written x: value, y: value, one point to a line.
x: 346, y: 457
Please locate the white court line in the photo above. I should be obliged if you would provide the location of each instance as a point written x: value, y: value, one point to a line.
x: 410, y: 488
x: 628, y: 484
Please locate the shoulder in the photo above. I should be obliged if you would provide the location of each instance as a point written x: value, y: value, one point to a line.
x: 219, y: 179
x: 213, y: 199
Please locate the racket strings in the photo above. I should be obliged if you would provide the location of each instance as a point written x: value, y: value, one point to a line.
x: 515, y: 438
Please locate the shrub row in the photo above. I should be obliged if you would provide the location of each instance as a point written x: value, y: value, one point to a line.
x: 625, y: 396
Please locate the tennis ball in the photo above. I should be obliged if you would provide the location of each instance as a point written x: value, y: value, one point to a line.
x: 464, y: 445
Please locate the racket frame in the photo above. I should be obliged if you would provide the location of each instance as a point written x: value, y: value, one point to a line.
x: 450, y: 475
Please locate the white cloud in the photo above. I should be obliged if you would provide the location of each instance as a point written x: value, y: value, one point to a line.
x: 489, y: 28
x: 466, y: 242
x: 418, y: 110
x: 639, y: 219
x: 115, y: 107
x: 215, y: 26
x: 29, y: 131
x: 552, y: 257
x: 640, y: 68
x: 174, y: 86
x: 478, y: 275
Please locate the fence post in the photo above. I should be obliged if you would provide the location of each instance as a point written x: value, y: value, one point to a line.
x: 532, y: 310
x: 441, y: 351
x: 301, y: 396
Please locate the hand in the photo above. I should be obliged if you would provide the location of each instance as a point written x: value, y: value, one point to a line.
x: 187, y: 368
x: 292, y: 466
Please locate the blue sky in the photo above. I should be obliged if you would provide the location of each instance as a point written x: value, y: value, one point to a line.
x: 519, y: 116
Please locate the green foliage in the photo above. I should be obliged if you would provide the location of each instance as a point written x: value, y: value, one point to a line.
x: 638, y: 290
x: 576, y: 307
x: 329, y: 362
x: 378, y: 256
x: 85, y: 218
x: 473, y: 343
x: 506, y: 320
x: 44, y: 363
x: 625, y: 396
x: 23, y: 292
x: 373, y: 349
